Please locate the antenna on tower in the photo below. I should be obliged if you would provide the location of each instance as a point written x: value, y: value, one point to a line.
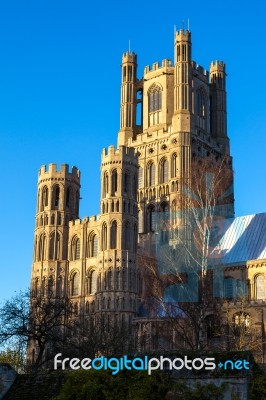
x: 174, y: 29
x: 188, y: 24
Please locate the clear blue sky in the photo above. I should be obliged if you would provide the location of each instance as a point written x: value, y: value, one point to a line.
x: 60, y: 89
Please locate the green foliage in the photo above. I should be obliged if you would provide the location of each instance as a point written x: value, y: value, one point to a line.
x: 127, y: 385
x: 13, y: 357
x: 257, y: 388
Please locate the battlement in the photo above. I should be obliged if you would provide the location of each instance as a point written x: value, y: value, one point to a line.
x: 199, y: 69
x: 217, y: 66
x: 129, y: 57
x: 183, y: 35
x: 122, y: 153
x: 91, y: 221
x: 75, y: 222
x: 63, y: 170
x: 166, y: 62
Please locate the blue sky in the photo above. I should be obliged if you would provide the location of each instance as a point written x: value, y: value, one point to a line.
x: 60, y: 90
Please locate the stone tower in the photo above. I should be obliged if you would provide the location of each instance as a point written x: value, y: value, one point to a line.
x: 128, y: 97
x: 58, y: 203
x: 218, y: 123
x: 183, y: 119
x: 116, y: 296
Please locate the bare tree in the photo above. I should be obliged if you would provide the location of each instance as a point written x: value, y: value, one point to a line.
x: 181, y: 274
x: 46, y: 326
x: 243, y: 327
x: 94, y: 335
x: 35, y: 322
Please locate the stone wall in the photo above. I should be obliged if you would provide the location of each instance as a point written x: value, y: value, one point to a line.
x: 7, y: 378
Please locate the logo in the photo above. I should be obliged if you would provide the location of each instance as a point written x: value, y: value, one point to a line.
x: 147, y: 364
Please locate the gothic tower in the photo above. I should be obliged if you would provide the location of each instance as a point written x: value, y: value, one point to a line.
x: 128, y: 98
x: 218, y: 103
x: 58, y: 203
x: 183, y: 82
x: 116, y: 296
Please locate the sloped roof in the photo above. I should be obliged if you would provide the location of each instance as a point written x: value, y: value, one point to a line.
x: 244, y: 239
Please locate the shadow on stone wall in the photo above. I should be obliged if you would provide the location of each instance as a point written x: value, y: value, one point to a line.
x: 7, y: 378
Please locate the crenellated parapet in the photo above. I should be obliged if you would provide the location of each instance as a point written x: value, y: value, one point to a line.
x: 52, y: 172
x: 166, y: 63
x: 129, y: 57
x: 120, y: 155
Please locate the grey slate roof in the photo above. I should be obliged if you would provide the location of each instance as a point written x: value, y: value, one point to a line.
x: 244, y: 238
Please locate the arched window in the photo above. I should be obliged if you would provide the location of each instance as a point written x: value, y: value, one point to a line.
x: 59, y: 287
x: 150, y: 222
x: 117, y: 279
x: 229, y: 288
x: 105, y: 184
x: 108, y: 305
x: 50, y: 286
x: 164, y: 222
x: 135, y: 186
x: 174, y: 212
x: 113, y: 236
x: 114, y: 182
x: 260, y: 287
x: 35, y: 287
x: 69, y: 198
x: 135, y: 239
x: 242, y: 323
x: 127, y: 237
x: 201, y: 108
x: 150, y: 174
x: 126, y: 183
x: 164, y: 208
x: 141, y: 221
x: 54, y: 247
x: 104, y: 236
x: 75, y: 284
x: 173, y: 165
x: 87, y: 307
x: 75, y: 247
x: 56, y: 196
x: 92, y: 282
x: 92, y: 245
x: 109, y: 279
x: 45, y: 195
x: 42, y: 248
x: 43, y: 287
x: 155, y: 104
x: 77, y: 202
x: 140, y: 177
x: 163, y: 171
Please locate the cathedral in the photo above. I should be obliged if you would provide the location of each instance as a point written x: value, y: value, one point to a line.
x: 172, y: 120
